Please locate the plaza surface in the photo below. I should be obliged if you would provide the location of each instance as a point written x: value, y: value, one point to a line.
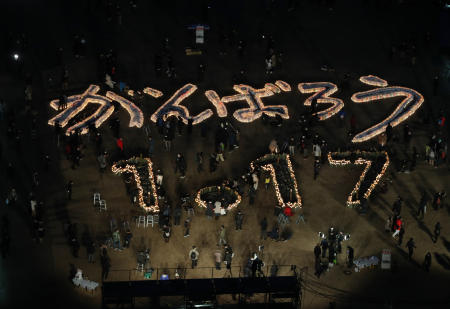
x: 355, y: 37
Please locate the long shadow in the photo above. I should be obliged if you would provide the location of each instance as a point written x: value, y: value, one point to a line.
x: 446, y: 243
x: 443, y: 260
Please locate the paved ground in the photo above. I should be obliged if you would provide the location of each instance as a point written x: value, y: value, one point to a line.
x: 352, y: 38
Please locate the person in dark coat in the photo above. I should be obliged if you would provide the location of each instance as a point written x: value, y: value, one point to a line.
x: 317, y: 251
x: 389, y: 132
x: 106, y: 265
x: 263, y: 225
x: 437, y: 232
x: 350, y: 256
x: 239, y: 218
x: 180, y: 165
x: 177, y: 215
x: 324, y: 245
x: 397, y: 207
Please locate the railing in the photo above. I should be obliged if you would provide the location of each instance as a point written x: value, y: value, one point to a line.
x: 197, y: 273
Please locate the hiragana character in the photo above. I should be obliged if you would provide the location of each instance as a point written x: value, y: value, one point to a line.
x: 147, y: 90
x: 323, y: 91
x: 412, y: 101
x: 253, y: 98
x: 172, y: 107
x: 136, y: 115
x: 76, y: 103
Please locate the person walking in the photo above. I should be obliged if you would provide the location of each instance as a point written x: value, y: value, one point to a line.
x: 437, y: 232
x: 263, y: 225
x: 194, y: 255
x: 410, y: 245
x: 239, y: 218
x: 427, y: 262
x: 222, y: 235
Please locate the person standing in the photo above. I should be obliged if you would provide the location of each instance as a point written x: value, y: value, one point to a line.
x: 397, y: 207
x: 127, y: 238
x: 159, y: 178
x: 119, y: 143
x: 187, y: 225
x: 106, y: 265
x: 437, y: 232
x: 90, y: 249
x: 102, y: 162
x: 222, y: 235
x: 423, y: 205
x: 218, y: 258
x: 291, y: 146
x: 427, y: 262
x: 350, y: 256
x: 239, y: 218
x: 317, y: 152
x: 228, y: 258
x: 151, y: 146
x: 177, y: 215
x: 410, y: 245
x: 324, y: 245
x: 316, y: 168
x: 397, y: 226
x: 263, y: 225
x: 388, y: 224
x: 116, y: 240
x: 194, y: 255
x: 180, y: 165
x: 317, y: 252
x: 389, y: 132
x: 69, y: 189
x: 199, y: 158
